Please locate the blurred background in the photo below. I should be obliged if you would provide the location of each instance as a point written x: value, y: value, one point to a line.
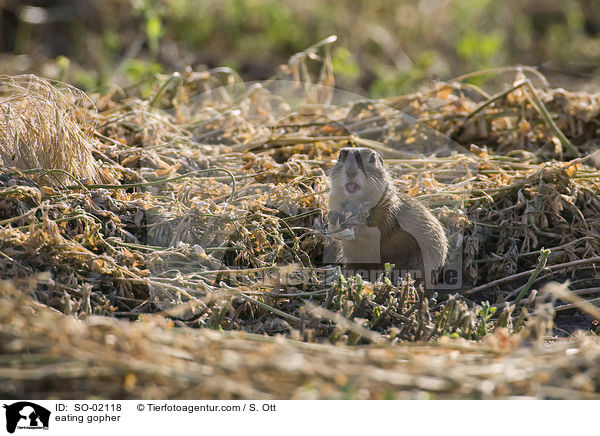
x: 383, y: 48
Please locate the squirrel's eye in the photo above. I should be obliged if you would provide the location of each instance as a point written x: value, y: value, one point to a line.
x: 373, y: 159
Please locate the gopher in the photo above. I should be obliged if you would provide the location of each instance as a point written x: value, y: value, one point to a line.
x: 389, y: 226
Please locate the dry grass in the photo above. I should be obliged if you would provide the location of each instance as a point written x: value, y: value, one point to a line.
x: 215, y: 221
x: 46, y: 126
x: 46, y: 354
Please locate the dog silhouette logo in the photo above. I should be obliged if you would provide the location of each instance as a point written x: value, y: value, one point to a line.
x: 26, y: 415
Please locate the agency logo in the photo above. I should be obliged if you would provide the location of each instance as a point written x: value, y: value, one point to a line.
x: 26, y: 415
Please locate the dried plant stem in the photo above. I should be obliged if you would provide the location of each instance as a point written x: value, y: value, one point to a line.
x: 541, y: 265
x: 57, y: 221
x: 52, y: 172
x: 17, y: 218
x: 175, y: 76
x: 342, y: 322
x: 496, y: 70
x: 537, y: 103
x: 551, y: 268
x: 271, y: 309
x: 493, y: 99
x: 562, y: 291
x: 534, y: 99
x: 161, y: 181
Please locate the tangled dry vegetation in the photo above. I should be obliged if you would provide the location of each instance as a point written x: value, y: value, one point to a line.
x: 201, y: 207
x: 47, y: 354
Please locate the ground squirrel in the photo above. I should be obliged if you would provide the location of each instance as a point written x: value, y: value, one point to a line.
x: 381, y: 224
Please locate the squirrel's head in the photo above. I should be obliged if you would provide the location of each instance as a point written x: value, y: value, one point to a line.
x: 359, y: 175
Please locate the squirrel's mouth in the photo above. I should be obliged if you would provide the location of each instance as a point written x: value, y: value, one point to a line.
x: 352, y: 187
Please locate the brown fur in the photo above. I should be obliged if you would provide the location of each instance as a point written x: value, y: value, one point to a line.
x: 410, y: 236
